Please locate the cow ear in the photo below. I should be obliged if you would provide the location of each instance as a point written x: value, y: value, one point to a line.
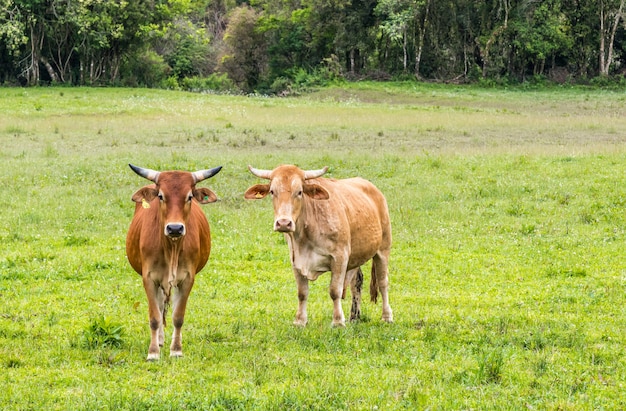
x: 257, y: 192
x: 204, y: 195
x: 146, y: 193
x: 316, y: 192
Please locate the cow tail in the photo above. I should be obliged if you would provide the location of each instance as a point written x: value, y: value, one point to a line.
x: 165, y: 314
x: 374, y: 285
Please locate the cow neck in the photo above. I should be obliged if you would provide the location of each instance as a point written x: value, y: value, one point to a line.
x: 302, y: 236
x: 303, y: 222
x: 172, y: 252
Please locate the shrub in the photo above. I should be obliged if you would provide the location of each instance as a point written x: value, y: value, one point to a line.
x: 213, y: 83
x: 170, y: 83
x: 147, y: 69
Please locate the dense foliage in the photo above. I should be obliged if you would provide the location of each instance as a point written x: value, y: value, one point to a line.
x: 277, y: 45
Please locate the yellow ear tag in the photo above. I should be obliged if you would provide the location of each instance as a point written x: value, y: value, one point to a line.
x: 258, y: 195
x: 144, y: 203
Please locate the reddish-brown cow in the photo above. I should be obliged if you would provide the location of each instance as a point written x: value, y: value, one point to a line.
x: 168, y: 242
x: 330, y: 225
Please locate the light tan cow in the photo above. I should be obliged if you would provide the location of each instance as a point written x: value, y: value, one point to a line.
x: 330, y: 225
x: 168, y: 242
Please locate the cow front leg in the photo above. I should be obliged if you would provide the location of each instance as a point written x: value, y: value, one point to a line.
x: 178, y: 315
x: 303, y: 295
x: 160, y: 295
x: 155, y: 314
x: 336, y: 292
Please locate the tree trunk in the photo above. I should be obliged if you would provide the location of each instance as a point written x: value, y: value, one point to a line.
x: 405, y: 56
x: 420, y: 41
x: 352, y: 61
x: 53, y: 75
x: 497, y: 32
x: 32, y: 71
x: 602, y: 47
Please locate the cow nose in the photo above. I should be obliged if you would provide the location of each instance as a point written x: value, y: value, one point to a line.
x: 283, y: 225
x: 175, y: 230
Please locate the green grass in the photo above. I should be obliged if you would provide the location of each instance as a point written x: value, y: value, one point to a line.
x: 507, y: 275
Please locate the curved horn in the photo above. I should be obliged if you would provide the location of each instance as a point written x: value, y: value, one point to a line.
x: 315, y: 173
x: 204, y: 174
x: 260, y: 173
x: 151, y: 175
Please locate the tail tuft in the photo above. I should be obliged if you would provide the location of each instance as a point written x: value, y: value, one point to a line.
x: 373, y: 285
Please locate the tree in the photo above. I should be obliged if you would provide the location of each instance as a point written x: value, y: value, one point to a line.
x: 24, y: 32
x: 403, y: 21
x: 12, y: 37
x: 539, y: 31
x: 354, y: 38
x: 245, y: 59
x: 288, y: 40
x: 324, y: 20
x: 487, y: 40
x: 611, y: 13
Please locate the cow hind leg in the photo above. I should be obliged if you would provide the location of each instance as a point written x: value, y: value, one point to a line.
x: 356, y: 285
x: 380, y: 283
x: 178, y: 316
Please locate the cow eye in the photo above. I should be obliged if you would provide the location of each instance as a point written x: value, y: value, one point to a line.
x: 271, y: 192
x: 190, y: 197
x: 300, y: 193
x: 160, y: 196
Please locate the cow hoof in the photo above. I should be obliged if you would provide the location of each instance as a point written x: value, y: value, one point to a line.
x: 176, y: 354
x: 388, y: 319
x: 300, y: 323
x: 153, y: 357
x: 339, y: 324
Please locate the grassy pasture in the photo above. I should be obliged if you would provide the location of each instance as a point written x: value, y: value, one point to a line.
x: 507, y: 273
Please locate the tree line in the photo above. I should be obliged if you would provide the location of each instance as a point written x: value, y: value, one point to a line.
x: 279, y: 45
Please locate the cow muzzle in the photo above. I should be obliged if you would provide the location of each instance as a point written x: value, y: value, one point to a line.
x: 175, y: 230
x: 284, y: 225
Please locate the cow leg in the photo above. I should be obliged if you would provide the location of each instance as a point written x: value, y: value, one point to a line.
x: 356, y: 283
x: 380, y: 270
x: 303, y: 294
x: 156, y: 317
x: 178, y: 315
x: 160, y: 296
x: 336, y: 292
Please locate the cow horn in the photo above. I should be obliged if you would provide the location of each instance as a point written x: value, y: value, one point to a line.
x: 315, y: 173
x: 146, y: 173
x: 260, y: 173
x: 204, y: 174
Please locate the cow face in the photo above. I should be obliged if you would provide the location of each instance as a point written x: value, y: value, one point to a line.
x: 175, y: 190
x: 288, y: 185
